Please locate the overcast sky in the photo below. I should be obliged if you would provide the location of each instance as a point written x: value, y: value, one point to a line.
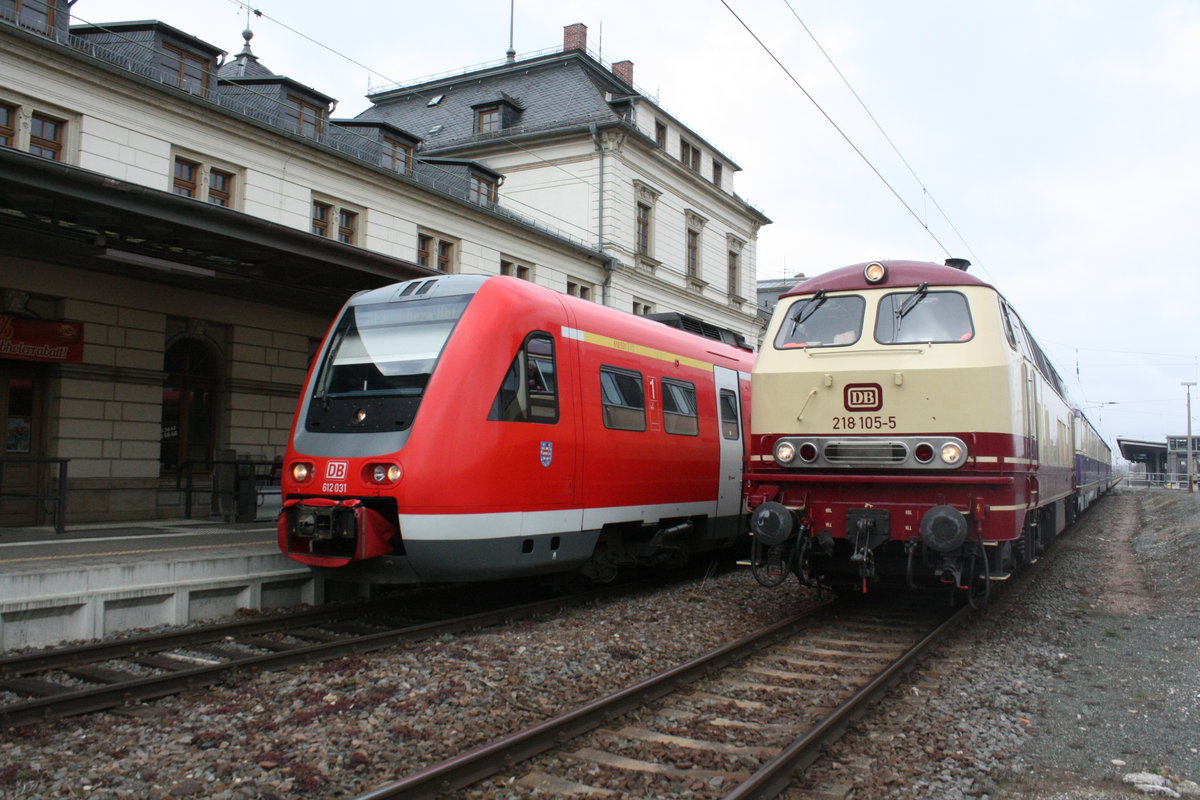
x: 1054, y: 143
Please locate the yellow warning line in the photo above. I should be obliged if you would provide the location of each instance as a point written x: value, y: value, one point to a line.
x: 636, y: 349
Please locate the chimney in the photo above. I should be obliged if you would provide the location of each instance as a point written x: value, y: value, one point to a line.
x: 575, y: 37
x: 623, y: 71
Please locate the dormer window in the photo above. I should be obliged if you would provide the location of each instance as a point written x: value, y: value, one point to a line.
x: 496, y: 114
x: 483, y: 191
x: 304, y: 117
x: 487, y: 119
x: 188, y: 71
x: 37, y: 15
x: 397, y: 155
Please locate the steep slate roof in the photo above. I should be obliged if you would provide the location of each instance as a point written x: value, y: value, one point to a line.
x: 562, y: 91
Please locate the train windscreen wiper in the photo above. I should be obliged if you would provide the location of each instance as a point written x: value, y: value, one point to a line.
x: 911, y: 302
x: 808, y: 308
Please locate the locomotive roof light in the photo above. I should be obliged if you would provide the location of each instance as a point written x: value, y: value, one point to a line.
x: 785, y: 452
x: 952, y: 453
x: 874, y: 272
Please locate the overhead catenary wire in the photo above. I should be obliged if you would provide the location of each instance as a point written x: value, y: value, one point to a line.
x: 924, y: 190
x: 836, y: 127
x: 259, y: 13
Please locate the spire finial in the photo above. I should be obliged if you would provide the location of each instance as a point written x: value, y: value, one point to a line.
x: 511, y: 55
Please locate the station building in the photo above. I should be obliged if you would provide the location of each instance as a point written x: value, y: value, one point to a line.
x: 178, y: 227
x: 1162, y: 463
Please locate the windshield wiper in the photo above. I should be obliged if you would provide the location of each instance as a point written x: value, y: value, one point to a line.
x: 911, y: 302
x: 809, y: 308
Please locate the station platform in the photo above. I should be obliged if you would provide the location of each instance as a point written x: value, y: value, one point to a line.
x: 92, y: 581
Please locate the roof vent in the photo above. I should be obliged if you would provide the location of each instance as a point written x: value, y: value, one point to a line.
x: 958, y: 263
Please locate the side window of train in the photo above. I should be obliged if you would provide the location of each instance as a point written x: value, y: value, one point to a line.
x: 923, y: 316
x: 623, y: 399
x: 731, y: 423
x: 1009, y: 331
x: 529, y: 391
x: 679, y: 407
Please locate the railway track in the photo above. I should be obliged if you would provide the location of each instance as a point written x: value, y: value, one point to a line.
x: 737, y: 722
x: 103, y: 675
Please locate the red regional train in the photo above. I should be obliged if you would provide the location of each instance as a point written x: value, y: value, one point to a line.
x: 464, y: 428
x: 907, y: 429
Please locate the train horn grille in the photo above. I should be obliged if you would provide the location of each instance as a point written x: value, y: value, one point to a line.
x: 867, y: 453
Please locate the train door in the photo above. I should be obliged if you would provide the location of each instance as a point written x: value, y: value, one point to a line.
x: 538, y: 393
x: 729, y: 492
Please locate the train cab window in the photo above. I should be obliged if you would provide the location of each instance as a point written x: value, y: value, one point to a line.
x: 679, y: 407
x: 379, y: 358
x: 529, y: 390
x: 623, y: 400
x: 923, y: 316
x: 731, y: 421
x: 821, y: 321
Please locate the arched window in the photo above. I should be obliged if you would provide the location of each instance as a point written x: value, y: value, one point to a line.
x: 189, y: 404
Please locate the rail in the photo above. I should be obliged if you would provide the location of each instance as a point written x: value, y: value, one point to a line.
x: 1166, y: 480
x: 59, y: 497
x: 236, y: 484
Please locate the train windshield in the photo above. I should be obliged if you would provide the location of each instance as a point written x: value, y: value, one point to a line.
x: 923, y: 316
x: 388, y: 348
x: 821, y: 321
x: 383, y: 353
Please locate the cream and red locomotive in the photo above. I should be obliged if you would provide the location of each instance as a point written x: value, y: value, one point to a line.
x: 907, y: 428
x: 461, y: 428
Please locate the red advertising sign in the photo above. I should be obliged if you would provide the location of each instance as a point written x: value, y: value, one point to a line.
x: 59, y: 341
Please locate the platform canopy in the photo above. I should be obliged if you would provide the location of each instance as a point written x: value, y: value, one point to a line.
x: 1152, y: 454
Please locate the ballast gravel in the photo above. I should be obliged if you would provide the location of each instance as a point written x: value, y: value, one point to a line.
x: 1081, y: 682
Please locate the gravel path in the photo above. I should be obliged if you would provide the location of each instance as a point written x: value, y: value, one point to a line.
x: 1089, y: 674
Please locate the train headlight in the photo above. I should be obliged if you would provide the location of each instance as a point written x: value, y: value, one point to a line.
x: 785, y: 452
x: 952, y: 453
x: 874, y: 272
x: 301, y: 472
x: 386, y: 473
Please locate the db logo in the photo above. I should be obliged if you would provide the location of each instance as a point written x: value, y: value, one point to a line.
x: 863, y: 397
x: 336, y: 470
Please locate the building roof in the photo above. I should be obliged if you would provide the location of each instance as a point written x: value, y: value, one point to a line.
x: 565, y: 90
